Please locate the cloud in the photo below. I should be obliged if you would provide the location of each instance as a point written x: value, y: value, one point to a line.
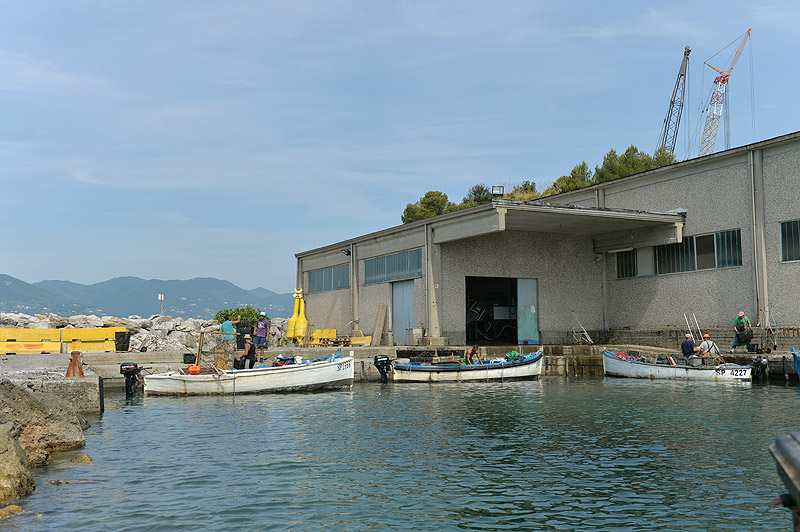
x: 21, y: 72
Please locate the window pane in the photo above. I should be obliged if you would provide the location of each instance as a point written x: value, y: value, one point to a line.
x: 626, y: 264
x: 329, y: 278
x: 729, y: 248
x: 790, y: 240
x: 704, y: 246
x: 401, y: 265
x: 672, y: 258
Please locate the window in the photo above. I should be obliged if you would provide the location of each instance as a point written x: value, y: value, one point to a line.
x: 729, y: 248
x: 673, y: 258
x: 402, y: 265
x: 331, y: 278
x: 704, y: 252
x: 790, y: 240
x: 626, y: 264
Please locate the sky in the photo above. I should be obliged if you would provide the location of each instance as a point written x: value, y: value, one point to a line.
x: 182, y: 139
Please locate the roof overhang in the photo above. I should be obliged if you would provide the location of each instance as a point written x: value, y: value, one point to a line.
x: 612, y: 230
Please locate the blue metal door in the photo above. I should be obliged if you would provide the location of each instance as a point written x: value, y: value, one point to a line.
x: 402, y: 312
x: 528, y: 311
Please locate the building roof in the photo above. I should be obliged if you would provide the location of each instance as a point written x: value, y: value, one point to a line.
x: 611, y: 229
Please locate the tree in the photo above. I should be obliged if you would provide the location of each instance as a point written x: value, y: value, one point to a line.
x: 433, y: 203
x: 247, y: 313
x: 631, y: 162
x: 478, y: 195
x: 579, y: 177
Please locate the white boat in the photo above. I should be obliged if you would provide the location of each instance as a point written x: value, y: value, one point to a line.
x: 327, y: 373
x: 617, y: 366
x: 526, y: 367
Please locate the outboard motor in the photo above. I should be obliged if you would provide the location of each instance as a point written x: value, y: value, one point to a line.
x: 760, y: 368
x: 132, y: 373
x: 384, y: 365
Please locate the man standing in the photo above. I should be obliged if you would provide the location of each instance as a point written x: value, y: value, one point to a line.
x: 688, y: 348
x: 741, y: 328
x: 262, y: 330
x: 708, y: 347
x: 229, y: 340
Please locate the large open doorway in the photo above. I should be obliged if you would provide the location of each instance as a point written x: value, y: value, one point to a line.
x: 491, y: 310
x: 502, y: 310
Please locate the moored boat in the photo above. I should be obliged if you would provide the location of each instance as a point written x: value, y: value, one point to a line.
x: 618, y: 365
x: 327, y: 373
x: 510, y: 368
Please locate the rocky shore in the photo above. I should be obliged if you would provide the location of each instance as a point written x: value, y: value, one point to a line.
x: 33, y: 426
x: 156, y: 333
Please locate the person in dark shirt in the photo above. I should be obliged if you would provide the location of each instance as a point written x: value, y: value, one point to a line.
x: 688, y: 348
x: 248, y: 355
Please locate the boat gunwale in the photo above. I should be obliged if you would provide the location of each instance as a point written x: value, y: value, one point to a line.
x: 479, y: 367
x: 726, y: 365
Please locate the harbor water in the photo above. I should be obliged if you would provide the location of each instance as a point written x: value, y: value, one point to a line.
x: 555, y: 454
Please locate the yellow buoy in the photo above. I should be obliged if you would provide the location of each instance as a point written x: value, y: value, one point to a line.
x: 301, y: 325
x: 293, y: 319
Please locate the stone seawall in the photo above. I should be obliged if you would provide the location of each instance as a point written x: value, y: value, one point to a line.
x: 34, y: 425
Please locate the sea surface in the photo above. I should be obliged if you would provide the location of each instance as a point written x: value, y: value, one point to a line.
x: 555, y: 454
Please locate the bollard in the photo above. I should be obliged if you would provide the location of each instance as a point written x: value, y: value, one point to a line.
x: 75, y: 368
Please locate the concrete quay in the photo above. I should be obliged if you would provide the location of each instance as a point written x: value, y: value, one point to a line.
x: 46, y: 371
x: 559, y: 360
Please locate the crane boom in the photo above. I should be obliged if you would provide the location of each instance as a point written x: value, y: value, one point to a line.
x: 673, y: 120
x: 714, y: 108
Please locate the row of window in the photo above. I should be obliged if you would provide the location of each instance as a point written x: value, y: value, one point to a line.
x: 331, y: 278
x: 704, y: 252
x: 393, y: 267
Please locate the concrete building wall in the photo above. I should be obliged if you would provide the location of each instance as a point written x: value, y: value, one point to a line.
x: 329, y: 310
x: 716, y: 196
x: 568, y: 274
x: 782, y: 204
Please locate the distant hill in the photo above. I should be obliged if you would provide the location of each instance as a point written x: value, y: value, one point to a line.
x: 201, y: 297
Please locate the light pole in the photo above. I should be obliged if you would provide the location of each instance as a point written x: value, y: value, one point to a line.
x: 161, y: 300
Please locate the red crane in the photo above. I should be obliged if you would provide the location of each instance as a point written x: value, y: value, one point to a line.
x: 713, y: 109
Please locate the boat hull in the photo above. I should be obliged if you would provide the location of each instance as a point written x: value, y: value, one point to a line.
x: 617, y: 367
x: 322, y: 375
x: 527, y: 368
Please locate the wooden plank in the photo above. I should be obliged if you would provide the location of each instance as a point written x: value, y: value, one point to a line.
x: 21, y: 348
x: 380, y: 323
x: 30, y: 335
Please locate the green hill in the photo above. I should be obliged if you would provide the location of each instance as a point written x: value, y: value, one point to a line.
x: 124, y: 296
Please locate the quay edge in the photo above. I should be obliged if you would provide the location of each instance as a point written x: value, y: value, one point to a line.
x: 102, y: 369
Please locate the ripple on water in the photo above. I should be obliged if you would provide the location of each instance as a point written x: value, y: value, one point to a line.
x: 556, y: 454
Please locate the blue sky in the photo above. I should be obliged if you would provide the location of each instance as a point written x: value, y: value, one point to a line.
x: 184, y: 139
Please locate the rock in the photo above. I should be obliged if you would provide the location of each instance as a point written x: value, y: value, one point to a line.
x: 15, y: 479
x: 43, y: 422
x: 85, y: 322
x: 183, y: 338
x: 8, y: 511
x: 82, y: 459
x: 157, y: 333
x: 57, y: 322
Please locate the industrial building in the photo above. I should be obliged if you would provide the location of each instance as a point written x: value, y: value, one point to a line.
x: 712, y: 236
